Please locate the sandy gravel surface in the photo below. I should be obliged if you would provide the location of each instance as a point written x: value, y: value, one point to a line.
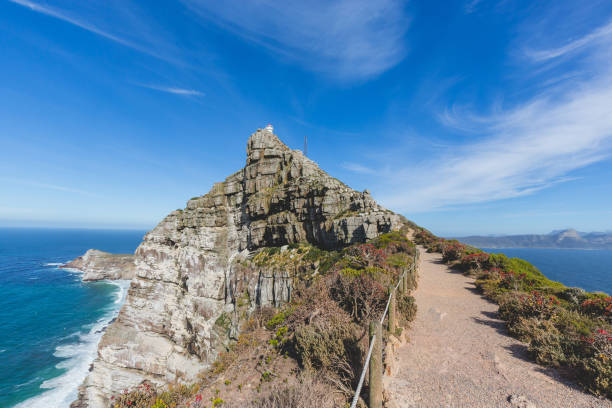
x: 459, y: 354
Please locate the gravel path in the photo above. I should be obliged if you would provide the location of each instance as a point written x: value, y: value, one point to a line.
x: 459, y: 354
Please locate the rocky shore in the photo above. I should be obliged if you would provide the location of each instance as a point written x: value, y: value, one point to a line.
x: 98, y: 265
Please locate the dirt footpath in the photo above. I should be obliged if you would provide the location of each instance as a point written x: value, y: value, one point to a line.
x: 460, y: 355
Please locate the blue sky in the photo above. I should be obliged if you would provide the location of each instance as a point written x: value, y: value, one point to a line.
x: 473, y: 116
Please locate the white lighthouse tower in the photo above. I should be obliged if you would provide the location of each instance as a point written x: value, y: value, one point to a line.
x: 269, y: 128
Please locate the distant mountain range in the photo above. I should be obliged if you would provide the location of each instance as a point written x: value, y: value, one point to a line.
x: 568, y: 239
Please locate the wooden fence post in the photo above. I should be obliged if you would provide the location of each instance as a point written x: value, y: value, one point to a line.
x: 376, y: 368
x: 392, y: 321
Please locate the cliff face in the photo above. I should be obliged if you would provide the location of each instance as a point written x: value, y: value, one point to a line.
x: 99, y: 265
x: 189, y: 274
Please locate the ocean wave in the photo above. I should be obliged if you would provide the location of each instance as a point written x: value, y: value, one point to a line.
x: 54, y: 264
x: 123, y: 285
x: 77, y: 358
x: 73, y: 270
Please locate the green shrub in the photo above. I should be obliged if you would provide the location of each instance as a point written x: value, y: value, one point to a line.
x: 595, y: 374
x: 407, y: 307
x: 321, y: 346
x: 574, y: 296
x: 279, y: 318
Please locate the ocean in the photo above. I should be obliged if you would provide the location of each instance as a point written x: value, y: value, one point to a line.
x: 51, y: 321
x: 590, y: 270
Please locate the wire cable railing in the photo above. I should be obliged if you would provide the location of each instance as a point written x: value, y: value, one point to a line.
x: 382, y: 319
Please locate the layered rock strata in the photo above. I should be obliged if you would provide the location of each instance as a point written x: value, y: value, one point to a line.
x: 190, y: 276
x: 99, y: 265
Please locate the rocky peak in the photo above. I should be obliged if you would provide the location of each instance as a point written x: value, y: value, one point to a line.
x: 186, y: 274
x: 264, y: 144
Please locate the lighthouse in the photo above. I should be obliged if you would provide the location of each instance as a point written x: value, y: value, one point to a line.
x: 269, y: 128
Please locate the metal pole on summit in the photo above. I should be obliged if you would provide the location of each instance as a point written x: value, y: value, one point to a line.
x: 305, y: 145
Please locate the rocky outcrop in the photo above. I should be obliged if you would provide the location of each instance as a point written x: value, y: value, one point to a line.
x: 99, y: 265
x: 190, y: 276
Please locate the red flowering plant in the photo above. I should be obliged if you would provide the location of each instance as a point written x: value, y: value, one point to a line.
x: 452, y: 251
x: 598, y: 307
x: 512, y: 280
x: 534, y: 304
x: 197, y: 402
x: 492, y: 273
x: 601, y: 343
x: 475, y: 261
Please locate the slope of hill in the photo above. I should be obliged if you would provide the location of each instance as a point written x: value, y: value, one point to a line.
x: 568, y: 239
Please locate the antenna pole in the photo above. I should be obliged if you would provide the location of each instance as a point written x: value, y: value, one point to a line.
x: 305, y: 145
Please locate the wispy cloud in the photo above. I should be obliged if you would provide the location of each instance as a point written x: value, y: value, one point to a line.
x: 358, y: 168
x: 93, y: 15
x: 520, y: 150
x: 46, y: 186
x: 603, y: 33
x: 349, y: 39
x: 173, y: 90
x: 471, y: 6
x: 532, y: 147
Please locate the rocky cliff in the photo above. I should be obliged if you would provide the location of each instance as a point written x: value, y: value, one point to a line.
x: 99, y: 265
x: 190, y: 276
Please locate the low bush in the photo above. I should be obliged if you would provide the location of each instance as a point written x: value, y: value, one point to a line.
x: 407, y: 308
x: 599, y: 306
x: 308, y: 393
x: 323, y: 345
x: 361, y: 295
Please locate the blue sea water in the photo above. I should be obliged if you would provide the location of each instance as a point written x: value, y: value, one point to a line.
x: 51, y: 322
x: 590, y: 270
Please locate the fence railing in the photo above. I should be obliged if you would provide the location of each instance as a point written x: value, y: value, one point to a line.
x: 373, y: 361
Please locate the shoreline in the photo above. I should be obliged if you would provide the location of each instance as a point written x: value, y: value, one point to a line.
x: 77, y: 357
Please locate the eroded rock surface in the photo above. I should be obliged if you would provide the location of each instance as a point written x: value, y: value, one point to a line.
x: 99, y: 265
x: 190, y: 275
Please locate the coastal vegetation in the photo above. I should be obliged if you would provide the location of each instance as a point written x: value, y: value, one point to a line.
x: 566, y: 328
x: 309, y: 351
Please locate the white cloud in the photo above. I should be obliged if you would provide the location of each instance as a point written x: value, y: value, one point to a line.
x: 46, y: 186
x: 471, y: 6
x: 115, y: 21
x: 527, y: 148
x: 520, y: 150
x: 603, y: 33
x: 349, y: 39
x: 531, y: 147
x: 173, y: 90
x: 358, y: 168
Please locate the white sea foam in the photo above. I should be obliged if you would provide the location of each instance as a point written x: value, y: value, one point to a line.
x: 54, y: 264
x: 72, y: 270
x: 61, y: 391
